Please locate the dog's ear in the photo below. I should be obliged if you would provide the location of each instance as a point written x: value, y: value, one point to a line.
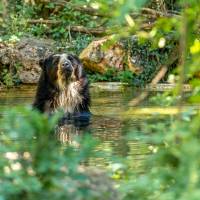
x: 74, y: 59
x: 41, y: 63
x: 50, y: 60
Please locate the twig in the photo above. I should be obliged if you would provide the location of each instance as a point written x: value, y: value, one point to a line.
x: 157, y: 13
x: 44, y: 21
x: 145, y: 94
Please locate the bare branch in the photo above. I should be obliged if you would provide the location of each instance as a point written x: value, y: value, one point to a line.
x: 44, y: 21
x: 94, y: 31
x: 161, y: 73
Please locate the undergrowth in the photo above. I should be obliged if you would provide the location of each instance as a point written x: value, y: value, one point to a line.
x: 17, y: 25
x: 112, y: 75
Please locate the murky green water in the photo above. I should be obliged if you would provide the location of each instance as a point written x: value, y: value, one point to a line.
x: 108, y: 122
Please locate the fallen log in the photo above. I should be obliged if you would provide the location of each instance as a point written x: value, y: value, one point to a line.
x: 98, y: 31
x: 44, y: 21
x: 94, y: 31
x: 87, y: 9
x: 96, y: 12
x: 156, y: 13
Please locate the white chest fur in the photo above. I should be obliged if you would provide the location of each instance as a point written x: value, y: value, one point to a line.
x: 70, y: 97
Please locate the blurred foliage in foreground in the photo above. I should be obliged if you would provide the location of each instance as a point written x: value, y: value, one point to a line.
x: 174, y: 166
x: 174, y: 171
x: 34, y: 165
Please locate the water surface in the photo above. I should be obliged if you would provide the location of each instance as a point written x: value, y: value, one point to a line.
x: 109, y: 124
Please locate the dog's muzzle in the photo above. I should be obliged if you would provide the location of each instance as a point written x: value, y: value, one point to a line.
x: 67, y: 69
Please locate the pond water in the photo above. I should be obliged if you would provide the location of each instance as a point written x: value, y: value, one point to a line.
x: 110, y: 122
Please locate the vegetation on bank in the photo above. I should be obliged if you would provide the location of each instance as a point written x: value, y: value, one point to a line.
x: 74, y: 24
x: 172, y: 170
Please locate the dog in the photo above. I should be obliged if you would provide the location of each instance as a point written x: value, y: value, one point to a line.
x: 63, y: 85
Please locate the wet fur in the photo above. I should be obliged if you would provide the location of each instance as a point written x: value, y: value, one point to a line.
x: 54, y: 92
x: 70, y: 97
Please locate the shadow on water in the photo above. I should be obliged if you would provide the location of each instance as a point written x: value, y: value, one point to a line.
x: 106, y: 123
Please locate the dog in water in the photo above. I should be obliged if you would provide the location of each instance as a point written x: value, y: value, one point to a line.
x: 63, y: 85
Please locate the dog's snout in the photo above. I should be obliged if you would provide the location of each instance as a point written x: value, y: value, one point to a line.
x: 67, y: 66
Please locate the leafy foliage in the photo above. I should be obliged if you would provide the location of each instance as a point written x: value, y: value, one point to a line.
x: 149, y: 58
x: 20, y: 12
x: 174, y: 164
x: 9, y: 76
x: 172, y: 170
x: 173, y: 167
x: 112, y: 74
x: 33, y: 164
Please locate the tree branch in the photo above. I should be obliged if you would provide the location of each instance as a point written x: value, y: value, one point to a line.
x: 94, y: 31
x: 161, y: 73
x: 44, y: 21
x: 145, y: 94
x: 156, y: 13
x: 98, y: 31
x: 96, y: 12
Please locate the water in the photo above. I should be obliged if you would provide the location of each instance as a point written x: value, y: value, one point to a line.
x: 110, y: 122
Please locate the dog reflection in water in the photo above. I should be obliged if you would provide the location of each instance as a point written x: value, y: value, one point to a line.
x: 70, y: 127
x: 63, y: 85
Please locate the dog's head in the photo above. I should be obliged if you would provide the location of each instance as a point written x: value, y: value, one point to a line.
x: 61, y: 69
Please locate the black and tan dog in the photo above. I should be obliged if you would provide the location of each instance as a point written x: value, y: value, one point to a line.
x: 63, y: 85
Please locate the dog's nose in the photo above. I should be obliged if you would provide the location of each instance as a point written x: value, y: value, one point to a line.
x: 67, y: 66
